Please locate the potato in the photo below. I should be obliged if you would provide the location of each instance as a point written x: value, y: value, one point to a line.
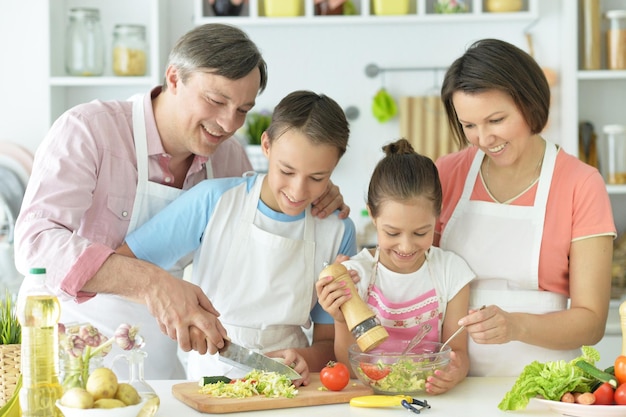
x: 102, y: 383
x: 77, y: 398
x: 128, y: 394
x: 108, y: 403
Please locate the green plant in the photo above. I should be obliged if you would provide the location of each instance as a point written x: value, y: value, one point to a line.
x: 10, y: 328
x: 256, y: 124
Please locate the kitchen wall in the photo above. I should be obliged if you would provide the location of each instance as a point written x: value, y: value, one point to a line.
x: 325, y: 58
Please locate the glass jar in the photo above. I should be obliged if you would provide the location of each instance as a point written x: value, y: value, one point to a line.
x: 503, y: 6
x: 135, y: 359
x: 616, y: 40
x: 84, y: 43
x: 615, y: 154
x: 130, y: 50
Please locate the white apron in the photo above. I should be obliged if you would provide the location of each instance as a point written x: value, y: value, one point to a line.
x: 506, y: 274
x: 106, y: 311
x: 258, y: 263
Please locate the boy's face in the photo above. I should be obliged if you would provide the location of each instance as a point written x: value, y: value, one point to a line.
x: 405, y: 232
x: 298, y: 172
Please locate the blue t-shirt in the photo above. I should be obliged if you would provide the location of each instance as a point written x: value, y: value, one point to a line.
x: 178, y: 229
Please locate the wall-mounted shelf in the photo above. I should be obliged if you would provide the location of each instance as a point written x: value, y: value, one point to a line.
x: 67, y: 91
x: 419, y: 11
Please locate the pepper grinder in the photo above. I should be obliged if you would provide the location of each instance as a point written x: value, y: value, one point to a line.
x: 361, y: 320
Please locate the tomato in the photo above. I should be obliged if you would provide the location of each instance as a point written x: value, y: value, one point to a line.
x: 335, y: 376
x: 620, y: 369
x: 604, y: 394
x: 620, y: 395
x: 374, y: 371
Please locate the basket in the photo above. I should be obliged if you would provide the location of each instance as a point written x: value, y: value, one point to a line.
x: 10, y: 360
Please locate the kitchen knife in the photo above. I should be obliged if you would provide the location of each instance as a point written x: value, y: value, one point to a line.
x: 248, y: 360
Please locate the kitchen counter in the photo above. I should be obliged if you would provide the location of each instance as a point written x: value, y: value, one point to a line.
x: 474, y: 397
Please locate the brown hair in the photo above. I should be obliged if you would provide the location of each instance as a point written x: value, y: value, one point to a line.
x: 317, y: 116
x: 492, y: 64
x: 402, y: 175
x: 219, y: 49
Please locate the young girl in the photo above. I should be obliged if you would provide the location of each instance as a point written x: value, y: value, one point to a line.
x: 258, y: 249
x: 406, y: 280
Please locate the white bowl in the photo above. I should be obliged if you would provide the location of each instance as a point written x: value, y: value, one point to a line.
x: 128, y: 411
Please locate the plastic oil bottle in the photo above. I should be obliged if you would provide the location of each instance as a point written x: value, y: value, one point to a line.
x: 38, y: 311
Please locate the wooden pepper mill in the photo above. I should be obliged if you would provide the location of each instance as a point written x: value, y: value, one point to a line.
x: 361, y: 320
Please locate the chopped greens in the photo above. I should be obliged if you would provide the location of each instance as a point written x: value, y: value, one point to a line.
x: 549, y: 380
x: 269, y: 384
x: 405, y: 376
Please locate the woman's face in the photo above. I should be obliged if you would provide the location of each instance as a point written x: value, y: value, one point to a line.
x: 405, y: 232
x: 298, y: 171
x: 492, y: 121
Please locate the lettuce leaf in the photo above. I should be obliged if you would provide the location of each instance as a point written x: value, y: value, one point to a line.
x: 549, y: 380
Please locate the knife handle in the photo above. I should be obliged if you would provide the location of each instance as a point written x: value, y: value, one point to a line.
x: 379, y: 400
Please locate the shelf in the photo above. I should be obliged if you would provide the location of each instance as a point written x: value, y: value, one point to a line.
x: 100, y: 81
x: 420, y: 11
x: 616, y: 189
x: 600, y: 75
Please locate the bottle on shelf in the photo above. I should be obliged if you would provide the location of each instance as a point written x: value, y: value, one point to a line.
x: 616, y: 40
x: 366, y: 231
x: 84, y: 43
x: 38, y: 311
x: 615, y: 154
x: 130, y: 50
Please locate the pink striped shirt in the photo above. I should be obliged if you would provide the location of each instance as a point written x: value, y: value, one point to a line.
x: 79, y: 200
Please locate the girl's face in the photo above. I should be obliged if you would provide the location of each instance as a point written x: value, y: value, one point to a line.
x: 405, y: 232
x: 298, y: 172
x: 492, y: 121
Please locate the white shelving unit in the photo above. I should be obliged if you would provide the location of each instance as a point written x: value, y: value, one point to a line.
x: 592, y: 95
x: 67, y: 91
x: 419, y: 11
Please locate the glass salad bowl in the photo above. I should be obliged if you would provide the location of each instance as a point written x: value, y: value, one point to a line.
x: 387, y: 371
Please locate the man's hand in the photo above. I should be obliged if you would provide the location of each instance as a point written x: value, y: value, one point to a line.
x: 185, y: 314
x: 330, y: 201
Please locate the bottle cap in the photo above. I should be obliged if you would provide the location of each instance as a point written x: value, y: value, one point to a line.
x: 37, y: 271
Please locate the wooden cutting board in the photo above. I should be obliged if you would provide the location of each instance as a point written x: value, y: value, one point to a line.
x: 188, y: 393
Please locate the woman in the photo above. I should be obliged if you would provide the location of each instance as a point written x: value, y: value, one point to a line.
x: 534, y: 223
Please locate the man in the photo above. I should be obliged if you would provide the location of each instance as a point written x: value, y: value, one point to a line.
x: 106, y: 167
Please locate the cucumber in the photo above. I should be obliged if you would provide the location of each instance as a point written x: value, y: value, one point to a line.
x: 596, y: 373
x: 610, y: 370
x: 205, y: 380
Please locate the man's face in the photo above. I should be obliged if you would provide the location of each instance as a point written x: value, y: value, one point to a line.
x: 211, y: 108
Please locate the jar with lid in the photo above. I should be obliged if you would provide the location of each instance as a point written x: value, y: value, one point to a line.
x: 129, y: 50
x: 616, y: 39
x: 84, y: 43
x: 614, y: 154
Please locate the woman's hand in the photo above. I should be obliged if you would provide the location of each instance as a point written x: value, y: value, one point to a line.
x: 491, y: 325
x: 330, y: 201
x: 292, y: 358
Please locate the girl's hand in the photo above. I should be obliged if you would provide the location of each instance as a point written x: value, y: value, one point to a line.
x: 443, y: 380
x: 332, y: 295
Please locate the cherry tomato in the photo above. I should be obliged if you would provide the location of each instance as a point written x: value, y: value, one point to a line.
x: 335, y: 376
x: 374, y: 371
x: 604, y: 394
x: 620, y: 369
x: 620, y: 395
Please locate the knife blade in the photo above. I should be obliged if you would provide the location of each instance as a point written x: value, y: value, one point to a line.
x: 247, y: 360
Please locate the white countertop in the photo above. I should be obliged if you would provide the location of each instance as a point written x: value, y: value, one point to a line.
x: 474, y: 397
